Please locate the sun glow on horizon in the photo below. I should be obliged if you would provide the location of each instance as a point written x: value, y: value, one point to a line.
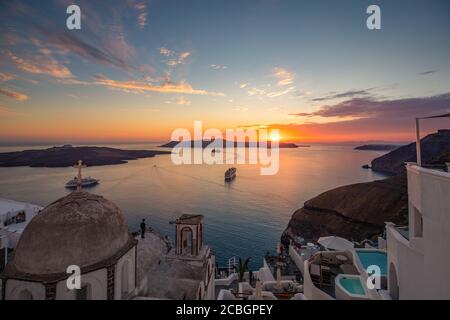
x: 275, y: 136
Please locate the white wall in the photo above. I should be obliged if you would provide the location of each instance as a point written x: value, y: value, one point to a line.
x: 422, y: 262
x: 429, y: 192
x: 210, y: 289
x: 97, y: 281
x: 310, y: 291
x: 297, y: 258
x: 128, y: 258
x: 408, y: 264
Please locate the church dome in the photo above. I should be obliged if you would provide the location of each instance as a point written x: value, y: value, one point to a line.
x: 80, y: 229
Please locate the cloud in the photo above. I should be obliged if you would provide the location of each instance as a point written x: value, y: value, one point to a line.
x: 239, y: 108
x: 180, y: 59
x: 41, y: 64
x: 166, y: 52
x: 175, y: 58
x: 367, y: 120
x: 284, y: 76
x: 359, y: 108
x: 218, y: 67
x: 141, y: 87
x: 346, y: 94
x: 424, y: 73
x: 68, y: 42
x: 13, y: 94
x: 142, y: 20
x: 141, y: 7
x: 275, y: 94
x: 183, y: 101
x: 6, y: 77
x: 244, y: 85
x: 256, y: 91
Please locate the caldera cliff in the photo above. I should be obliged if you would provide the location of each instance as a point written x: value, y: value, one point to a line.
x: 356, y: 211
x: 359, y: 211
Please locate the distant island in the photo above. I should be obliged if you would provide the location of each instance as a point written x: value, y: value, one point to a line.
x: 377, y: 147
x: 67, y: 156
x: 205, y: 143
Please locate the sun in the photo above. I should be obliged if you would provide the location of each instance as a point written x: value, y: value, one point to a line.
x: 274, y: 136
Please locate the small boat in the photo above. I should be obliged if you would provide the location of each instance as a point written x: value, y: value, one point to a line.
x: 230, y: 174
x: 85, y: 182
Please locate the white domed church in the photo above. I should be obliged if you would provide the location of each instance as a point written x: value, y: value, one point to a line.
x: 79, y: 229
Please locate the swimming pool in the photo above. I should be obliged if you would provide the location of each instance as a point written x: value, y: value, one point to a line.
x: 373, y: 257
x: 350, y: 287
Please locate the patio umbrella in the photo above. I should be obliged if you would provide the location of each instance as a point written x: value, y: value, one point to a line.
x: 335, y: 243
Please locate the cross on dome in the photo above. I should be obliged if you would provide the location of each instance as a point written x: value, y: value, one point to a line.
x: 79, y: 166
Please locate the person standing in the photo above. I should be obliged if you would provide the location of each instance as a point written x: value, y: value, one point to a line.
x: 143, y: 226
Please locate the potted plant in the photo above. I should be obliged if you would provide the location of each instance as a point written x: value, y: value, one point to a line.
x: 242, y: 268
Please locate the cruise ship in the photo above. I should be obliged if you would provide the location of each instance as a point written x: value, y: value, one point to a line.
x: 230, y: 174
x: 85, y: 182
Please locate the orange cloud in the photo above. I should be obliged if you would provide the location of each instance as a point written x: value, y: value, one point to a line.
x: 183, y: 101
x: 284, y: 76
x: 42, y: 64
x: 13, y: 94
x: 6, y: 77
x: 140, y: 87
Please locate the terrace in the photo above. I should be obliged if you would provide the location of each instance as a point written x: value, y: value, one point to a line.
x: 287, y: 267
x: 323, y: 268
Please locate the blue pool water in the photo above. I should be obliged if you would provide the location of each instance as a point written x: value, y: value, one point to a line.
x: 352, y: 285
x: 377, y: 258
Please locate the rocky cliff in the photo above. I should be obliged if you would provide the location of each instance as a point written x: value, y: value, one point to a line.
x: 356, y: 211
x: 359, y: 211
x: 433, y: 147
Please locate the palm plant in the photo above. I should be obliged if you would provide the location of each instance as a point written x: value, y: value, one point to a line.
x: 242, y: 268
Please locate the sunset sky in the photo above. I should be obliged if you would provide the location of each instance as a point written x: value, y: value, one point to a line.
x: 139, y: 69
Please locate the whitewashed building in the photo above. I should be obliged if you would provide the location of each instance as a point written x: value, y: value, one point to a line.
x: 418, y: 257
x: 14, y: 217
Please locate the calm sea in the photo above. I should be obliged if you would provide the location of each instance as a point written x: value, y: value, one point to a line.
x: 244, y: 218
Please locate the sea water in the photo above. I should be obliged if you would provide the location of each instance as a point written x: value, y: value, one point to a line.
x: 244, y: 218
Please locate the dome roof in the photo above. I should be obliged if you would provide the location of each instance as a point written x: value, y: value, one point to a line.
x: 79, y: 229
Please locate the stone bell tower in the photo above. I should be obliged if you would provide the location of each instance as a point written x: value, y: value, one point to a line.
x: 189, y: 234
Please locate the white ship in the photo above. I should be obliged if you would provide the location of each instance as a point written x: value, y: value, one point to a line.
x: 230, y: 174
x: 85, y: 182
